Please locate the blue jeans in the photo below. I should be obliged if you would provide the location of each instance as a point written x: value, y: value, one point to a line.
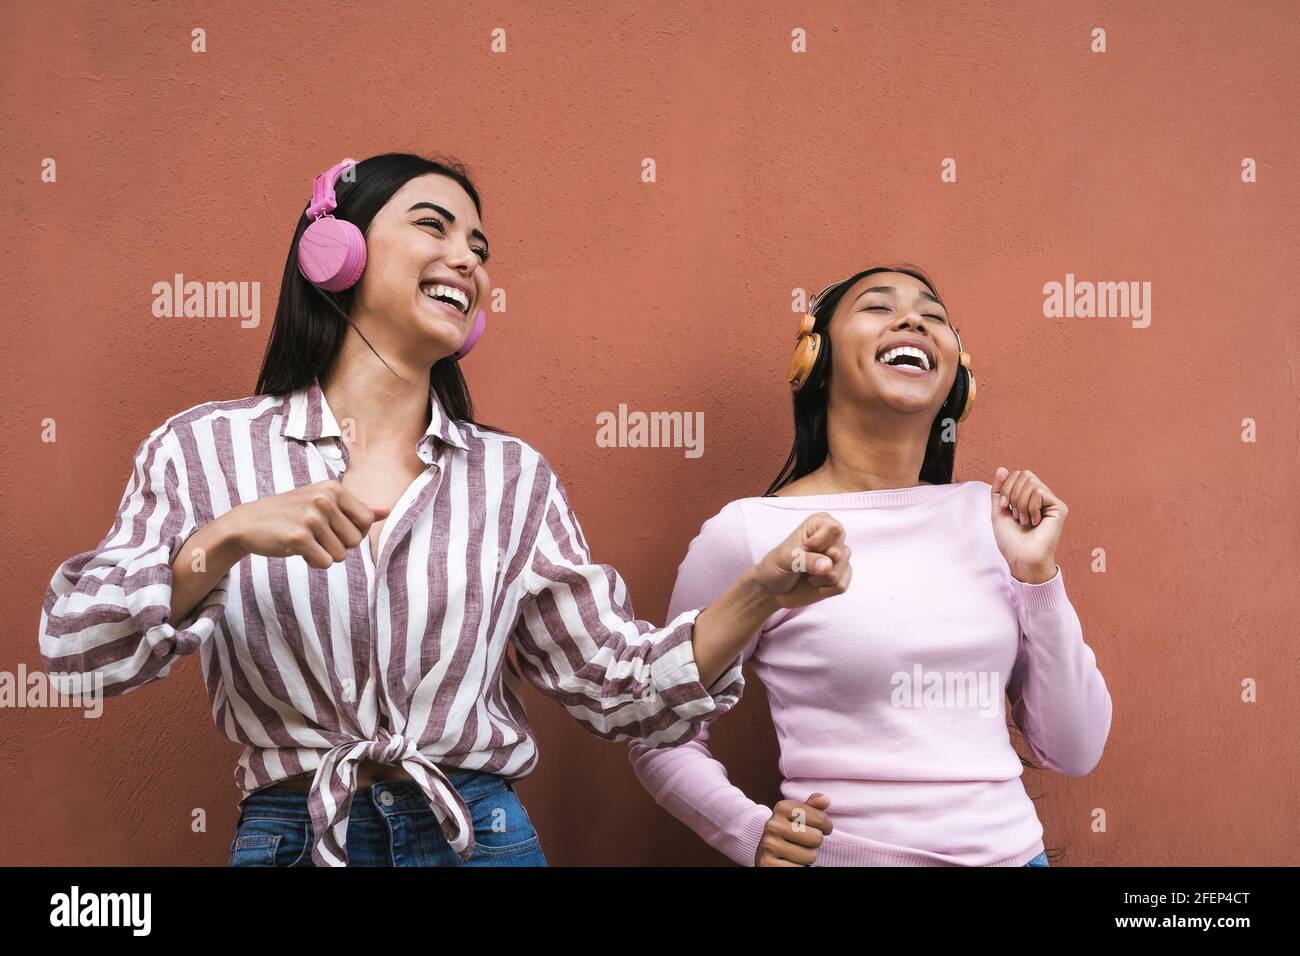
x: 391, y: 825
x: 1040, y: 860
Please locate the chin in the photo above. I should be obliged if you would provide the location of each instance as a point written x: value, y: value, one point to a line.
x: 910, y: 403
x: 436, y: 339
x: 914, y: 400
x: 912, y: 409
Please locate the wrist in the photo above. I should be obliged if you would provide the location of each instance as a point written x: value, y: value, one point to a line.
x: 755, y: 595
x: 1036, y: 573
x: 230, y: 534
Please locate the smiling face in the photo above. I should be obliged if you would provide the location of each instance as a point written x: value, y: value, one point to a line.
x: 892, y: 316
x: 424, y: 279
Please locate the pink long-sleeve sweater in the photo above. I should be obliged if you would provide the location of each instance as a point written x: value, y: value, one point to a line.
x: 889, y: 698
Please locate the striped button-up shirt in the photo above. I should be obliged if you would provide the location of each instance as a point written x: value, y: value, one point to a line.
x: 400, y: 660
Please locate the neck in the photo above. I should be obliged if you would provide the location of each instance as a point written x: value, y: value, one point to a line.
x: 385, y: 411
x: 875, y: 450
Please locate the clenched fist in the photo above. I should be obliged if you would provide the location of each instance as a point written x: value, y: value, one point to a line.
x: 1027, y: 522
x: 794, y: 832
x: 809, y: 566
x: 320, y: 522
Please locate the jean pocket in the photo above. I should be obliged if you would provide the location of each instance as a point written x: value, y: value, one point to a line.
x: 501, y: 824
x: 266, y: 841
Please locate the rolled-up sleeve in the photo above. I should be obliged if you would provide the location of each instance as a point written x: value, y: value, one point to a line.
x: 580, y: 643
x: 105, y: 614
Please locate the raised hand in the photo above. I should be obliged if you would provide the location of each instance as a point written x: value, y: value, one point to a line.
x: 809, y: 566
x: 1027, y: 524
x: 320, y: 522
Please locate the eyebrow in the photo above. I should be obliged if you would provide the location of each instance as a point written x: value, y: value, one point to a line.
x: 446, y: 214
x: 889, y: 290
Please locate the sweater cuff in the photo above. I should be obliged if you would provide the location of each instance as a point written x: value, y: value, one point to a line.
x: 751, y: 834
x: 1048, y: 595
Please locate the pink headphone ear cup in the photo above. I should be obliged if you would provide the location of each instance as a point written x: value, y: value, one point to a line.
x: 475, y: 333
x: 332, y: 254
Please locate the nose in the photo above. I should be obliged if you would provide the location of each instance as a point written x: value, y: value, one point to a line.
x: 462, y: 258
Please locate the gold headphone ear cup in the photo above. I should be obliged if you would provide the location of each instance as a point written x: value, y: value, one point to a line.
x: 970, y: 397
x: 805, y: 355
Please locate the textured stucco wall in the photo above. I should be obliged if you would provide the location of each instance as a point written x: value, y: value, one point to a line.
x: 775, y: 171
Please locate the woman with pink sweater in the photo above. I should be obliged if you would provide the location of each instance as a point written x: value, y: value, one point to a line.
x: 888, y: 702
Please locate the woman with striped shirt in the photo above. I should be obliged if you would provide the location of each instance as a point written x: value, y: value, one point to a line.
x: 351, y: 554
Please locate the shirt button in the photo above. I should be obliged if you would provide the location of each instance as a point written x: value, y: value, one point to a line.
x: 385, y: 798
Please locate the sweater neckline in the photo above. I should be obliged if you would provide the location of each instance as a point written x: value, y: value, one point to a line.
x: 880, y: 498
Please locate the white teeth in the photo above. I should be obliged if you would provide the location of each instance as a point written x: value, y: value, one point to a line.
x: 887, y: 357
x: 433, y: 290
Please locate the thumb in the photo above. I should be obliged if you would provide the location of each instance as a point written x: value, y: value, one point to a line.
x: 998, y: 477
x: 802, y: 561
x: 818, y: 800
x: 379, y: 511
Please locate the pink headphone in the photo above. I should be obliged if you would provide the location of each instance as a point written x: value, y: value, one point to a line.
x: 332, y: 252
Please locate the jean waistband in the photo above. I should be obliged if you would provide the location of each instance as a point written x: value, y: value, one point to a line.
x: 390, y: 795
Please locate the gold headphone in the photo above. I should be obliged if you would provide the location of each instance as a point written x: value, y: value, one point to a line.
x: 808, y: 348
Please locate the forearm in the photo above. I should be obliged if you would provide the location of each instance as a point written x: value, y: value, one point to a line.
x: 725, y: 627
x: 218, y: 545
x: 692, y: 785
x: 1059, y: 697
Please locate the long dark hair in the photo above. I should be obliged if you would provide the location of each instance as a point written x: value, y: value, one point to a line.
x: 310, y: 323
x: 810, y: 441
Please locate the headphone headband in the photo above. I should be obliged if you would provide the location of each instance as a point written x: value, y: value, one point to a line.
x: 816, y: 300
x: 323, y: 200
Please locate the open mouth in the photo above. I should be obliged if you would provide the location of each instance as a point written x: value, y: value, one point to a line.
x: 447, y: 297
x: 906, y: 359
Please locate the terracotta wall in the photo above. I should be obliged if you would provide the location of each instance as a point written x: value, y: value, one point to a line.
x: 1168, y: 159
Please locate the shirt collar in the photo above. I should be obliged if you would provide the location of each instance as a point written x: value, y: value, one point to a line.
x: 306, y: 415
